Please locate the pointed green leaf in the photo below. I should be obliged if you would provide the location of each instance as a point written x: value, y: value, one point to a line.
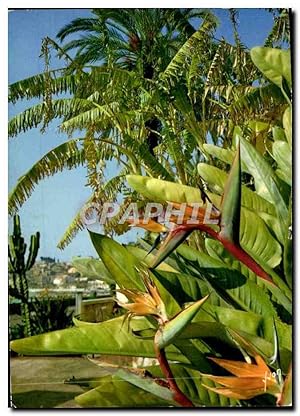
x: 171, y: 330
x: 191, y: 382
x: 249, y: 199
x: 267, y: 184
x: 283, y: 156
x: 287, y: 124
x: 114, y: 391
x: 159, y: 190
x: 92, y: 268
x: 173, y: 240
x: 109, y: 337
x: 288, y: 249
x: 120, y: 263
x: 255, y: 238
x: 232, y: 283
x: 231, y: 203
x: 275, y: 64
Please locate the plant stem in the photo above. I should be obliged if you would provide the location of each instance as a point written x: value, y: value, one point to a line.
x: 179, y: 397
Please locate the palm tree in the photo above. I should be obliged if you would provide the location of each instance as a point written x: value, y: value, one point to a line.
x: 143, y: 40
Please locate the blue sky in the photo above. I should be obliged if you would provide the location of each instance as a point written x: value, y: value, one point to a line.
x: 56, y: 200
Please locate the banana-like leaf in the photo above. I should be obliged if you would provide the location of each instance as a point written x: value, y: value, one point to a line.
x: 159, y: 190
x: 283, y: 156
x: 142, y: 255
x: 232, y: 282
x: 173, y: 328
x: 226, y: 155
x: 231, y: 203
x: 275, y: 64
x: 120, y: 263
x: 217, y: 178
x: 288, y: 249
x: 267, y: 184
x: 92, y: 268
x: 173, y: 240
x: 287, y: 124
x: 255, y: 238
x: 190, y: 382
x: 187, y: 288
x: 114, y: 391
x: 109, y: 337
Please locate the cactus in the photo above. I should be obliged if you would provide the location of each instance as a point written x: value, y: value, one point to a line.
x: 18, y: 266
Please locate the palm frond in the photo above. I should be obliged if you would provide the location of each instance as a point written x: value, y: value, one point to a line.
x: 67, y: 155
x: 197, y: 43
x: 73, y: 229
x: 33, y: 116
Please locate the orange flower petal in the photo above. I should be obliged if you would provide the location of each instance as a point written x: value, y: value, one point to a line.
x: 151, y: 225
x: 242, y: 383
x: 240, y: 368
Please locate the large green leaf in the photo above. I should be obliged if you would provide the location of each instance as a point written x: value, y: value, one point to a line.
x: 92, y: 268
x: 267, y: 184
x: 159, y: 190
x: 287, y: 124
x: 142, y: 256
x: 217, y: 178
x: 283, y: 156
x: 226, y: 155
x: 230, y: 282
x: 120, y: 263
x: 111, y: 338
x: 275, y: 64
x: 255, y: 237
x: 186, y: 288
x: 288, y: 249
x: 231, y: 203
x: 114, y: 391
x: 190, y: 383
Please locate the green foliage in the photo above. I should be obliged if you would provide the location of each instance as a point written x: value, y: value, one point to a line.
x: 18, y: 266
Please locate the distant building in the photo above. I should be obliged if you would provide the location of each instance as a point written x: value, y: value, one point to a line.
x: 48, y: 259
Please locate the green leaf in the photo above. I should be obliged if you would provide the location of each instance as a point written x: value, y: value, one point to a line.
x: 147, y: 384
x: 255, y: 238
x: 287, y: 125
x: 92, y: 268
x: 230, y: 283
x: 159, y: 190
x: 186, y: 288
x: 231, y: 203
x: 190, y: 383
x: 267, y: 184
x: 283, y: 156
x: 142, y: 256
x: 114, y: 391
x: 275, y: 64
x: 109, y: 337
x: 226, y: 155
x: 288, y: 249
x: 120, y: 263
x: 173, y: 328
x: 217, y: 178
